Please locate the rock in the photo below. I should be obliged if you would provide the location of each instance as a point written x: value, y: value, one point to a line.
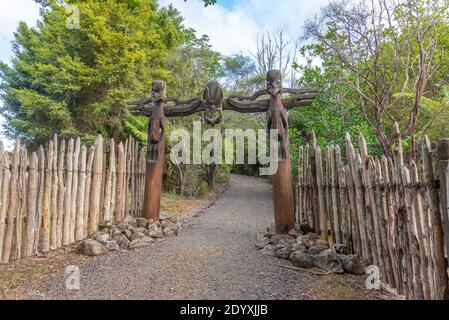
x: 341, y: 248
x: 328, y: 260
x: 101, y: 237
x: 164, y: 215
x: 282, y: 251
x: 260, y: 236
x: 141, y: 242
x: 154, y: 231
x: 262, y: 242
x: 139, y: 229
x: 307, y: 240
x: 121, y: 225
x: 169, y: 224
x: 124, y: 243
x: 115, y: 230
x: 277, y: 238
x: 92, y: 247
x: 141, y: 222
x: 137, y: 235
x: 298, y: 247
x: 318, y: 247
x: 111, y: 245
x: 305, y: 228
x: 352, y: 264
x: 269, y: 250
x: 168, y: 232
x: 128, y: 234
x: 293, y: 233
x: 130, y: 227
x: 300, y: 259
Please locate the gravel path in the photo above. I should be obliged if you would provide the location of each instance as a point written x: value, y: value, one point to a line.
x: 215, y: 258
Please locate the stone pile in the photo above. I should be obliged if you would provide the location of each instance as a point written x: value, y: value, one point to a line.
x: 131, y: 233
x: 305, y: 249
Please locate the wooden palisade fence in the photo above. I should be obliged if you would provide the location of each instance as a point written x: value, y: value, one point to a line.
x: 390, y: 213
x: 64, y: 192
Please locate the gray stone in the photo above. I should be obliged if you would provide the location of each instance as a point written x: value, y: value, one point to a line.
x: 140, y: 243
x: 154, y: 231
x: 293, y: 233
x: 277, y: 238
x: 92, y: 247
x: 300, y: 259
x: 307, y: 240
x: 282, y: 251
x: 102, y: 237
x: 170, y: 225
x: 352, y: 264
x: 341, y: 248
x: 168, y: 232
x: 139, y: 229
x: 262, y: 242
x: 111, y: 245
x: 128, y: 234
x: 318, y: 247
x: 328, y: 260
x: 141, y: 222
x: 137, y: 235
x: 298, y: 247
x: 269, y: 250
x: 124, y: 243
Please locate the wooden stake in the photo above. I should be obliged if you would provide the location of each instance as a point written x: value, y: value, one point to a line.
x: 96, y: 186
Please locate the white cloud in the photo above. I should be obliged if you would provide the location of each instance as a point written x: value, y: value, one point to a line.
x: 235, y: 30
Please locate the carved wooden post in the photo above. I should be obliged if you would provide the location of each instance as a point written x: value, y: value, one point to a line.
x: 277, y: 118
x: 155, y: 153
x: 443, y: 157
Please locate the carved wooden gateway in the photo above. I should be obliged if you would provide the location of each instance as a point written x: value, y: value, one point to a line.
x: 212, y: 104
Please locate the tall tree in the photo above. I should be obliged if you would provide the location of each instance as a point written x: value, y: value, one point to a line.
x: 75, y: 81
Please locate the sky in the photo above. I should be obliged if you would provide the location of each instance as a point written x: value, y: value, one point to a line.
x: 232, y: 25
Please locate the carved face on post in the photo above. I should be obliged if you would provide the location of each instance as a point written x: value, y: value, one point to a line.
x: 213, y: 95
x: 274, y: 82
x: 158, y: 91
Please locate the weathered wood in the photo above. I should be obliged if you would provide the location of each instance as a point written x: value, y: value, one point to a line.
x: 438, y: 237
x: 420, y: 230
x: 79, y: 230
x: 418, y: 292
x: 68, y: 194
x: 75, y: 166
x: 32, y: 208
x: 61, y: 195
x: 343, y: 199
x: 321, y: 199
x: 443, y: 165
x: 40, y: 198
x: 390, y: 216
x: 12, y: 203
x: 96, y: 185
x: 358, y: 201
x: 54, y: 196
x: 47, y: 198
x: 315, y: 209
x: 382, y: 210
x: 327, y: 192
x: 334, y: 200
x: 86, y: 210
x: 4, y: 204
x: 108, y: 186
x: 119, y: 193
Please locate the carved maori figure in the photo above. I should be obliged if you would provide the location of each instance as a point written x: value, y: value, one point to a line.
x: 156, y: 130
x: 213, y: 97
x: 277, y: 117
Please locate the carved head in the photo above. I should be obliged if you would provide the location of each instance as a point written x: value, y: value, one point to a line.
x: 213, y: 95
x: 274, y: 82
x: 158, y: 91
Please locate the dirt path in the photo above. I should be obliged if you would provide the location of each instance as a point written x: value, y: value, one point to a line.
x: 213, y: 259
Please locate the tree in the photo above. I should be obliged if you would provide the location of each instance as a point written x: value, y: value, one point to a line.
x: 77, y: 81
x: 386, y: 49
